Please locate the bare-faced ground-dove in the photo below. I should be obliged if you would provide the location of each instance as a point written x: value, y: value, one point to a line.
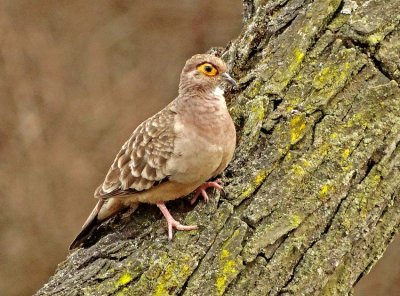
x: 174, y: 152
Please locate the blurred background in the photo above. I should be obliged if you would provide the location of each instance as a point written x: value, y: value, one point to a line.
x: 76, y: 77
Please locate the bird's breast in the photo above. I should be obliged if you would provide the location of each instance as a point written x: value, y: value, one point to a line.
x: 199, y: 149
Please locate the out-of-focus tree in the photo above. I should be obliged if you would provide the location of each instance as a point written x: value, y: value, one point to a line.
x: 76, y: 77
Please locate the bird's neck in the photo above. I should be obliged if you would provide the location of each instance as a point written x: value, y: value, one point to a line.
x: 207, y: 109
x: 203, y: 101
x: 205, y: 113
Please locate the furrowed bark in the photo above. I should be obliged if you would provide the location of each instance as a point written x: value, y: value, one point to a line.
x: 312, y: 196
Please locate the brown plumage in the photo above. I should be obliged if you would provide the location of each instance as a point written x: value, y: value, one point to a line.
x: 175, y: 151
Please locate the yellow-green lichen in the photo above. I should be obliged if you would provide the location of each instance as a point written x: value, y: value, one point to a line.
x: 331, y: 75
x: 259, y: 178
x: 338, y: 22
x: 323, y: 149
x: 296, y: 220
x: 346, y: 153
x: 174, y: 275
x: 334, y: 74
x: 283, y: 73
x: 358, y: 119
x: 324, y: 190
x: 297, y: 128
x: 297, y: 58
x: 375, y: 180
x: 298, y: 170
x: 288, y: 156
x: 346, y: 223
x: 379, y: 36
x: 254, y: 89
x: 257, y: 181
x: 258, y: 112
x: 375, y: 38
x: 299, y: 55
x: 228, y: 264
x: 247, y: 192
x: 124, y: 279
x: 228, y: 269
x: 123, y: 292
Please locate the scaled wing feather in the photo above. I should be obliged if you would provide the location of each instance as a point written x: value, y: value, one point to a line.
x: 141, y: 163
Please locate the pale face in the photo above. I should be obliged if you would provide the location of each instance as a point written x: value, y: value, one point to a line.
x: 204, y: 72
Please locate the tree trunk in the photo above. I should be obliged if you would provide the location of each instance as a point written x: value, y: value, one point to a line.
x: 312, y: 195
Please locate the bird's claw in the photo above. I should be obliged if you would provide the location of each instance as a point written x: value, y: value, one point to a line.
x: 178, y: 226
x: 217, y: 184
x: 172, y: 223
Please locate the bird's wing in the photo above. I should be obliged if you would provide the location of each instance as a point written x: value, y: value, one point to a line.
x: 141, y: 163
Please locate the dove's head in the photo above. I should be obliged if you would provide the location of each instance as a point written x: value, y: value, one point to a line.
x: 204, y: 73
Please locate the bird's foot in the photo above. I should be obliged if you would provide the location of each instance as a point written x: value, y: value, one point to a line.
x: 202, y: 190
x: 172, y: 223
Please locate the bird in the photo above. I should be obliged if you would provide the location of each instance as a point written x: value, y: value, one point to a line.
x: 174, y: 152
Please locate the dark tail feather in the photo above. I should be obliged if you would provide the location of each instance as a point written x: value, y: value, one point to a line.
x: 87, y: 228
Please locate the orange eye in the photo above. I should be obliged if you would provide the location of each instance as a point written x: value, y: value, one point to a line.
x: 207, y: 69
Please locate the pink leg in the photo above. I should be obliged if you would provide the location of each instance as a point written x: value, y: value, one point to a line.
x: 202, y: 190
x: 172, y: 223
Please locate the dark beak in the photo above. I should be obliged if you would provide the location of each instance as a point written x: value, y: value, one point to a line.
x: 229, y: 79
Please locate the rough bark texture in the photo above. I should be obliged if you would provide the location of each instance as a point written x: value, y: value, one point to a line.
x: 312, y: 196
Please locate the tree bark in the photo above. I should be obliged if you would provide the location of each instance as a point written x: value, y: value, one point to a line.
x: 312, y: 195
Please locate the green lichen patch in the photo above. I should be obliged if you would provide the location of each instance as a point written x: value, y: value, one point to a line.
x: 222, y: 262
x: 297, y: 126
x: 169, y: 270
x: 283, y: 184
x: 253, y: 90
x: 174, y: 275
x: 364, y: 203
x: 320, y: 81
x: 326, y: 190
x: 306, y: 177
x: 125, y: 279
x: 284, y: 62
x: 249, y: 189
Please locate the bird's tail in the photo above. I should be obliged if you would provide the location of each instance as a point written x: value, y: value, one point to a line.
x: 90, y: 223
x: 103, y: 210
